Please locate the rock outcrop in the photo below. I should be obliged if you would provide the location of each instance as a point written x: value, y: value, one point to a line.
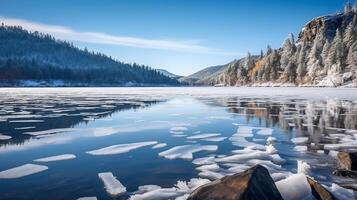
x: 252, y: 184
x: 347, y: 161
x: 318, y: 191
x: 325, y: 54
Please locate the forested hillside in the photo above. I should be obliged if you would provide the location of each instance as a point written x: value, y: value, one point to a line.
x: 324, y: 54
x: 33, y: 58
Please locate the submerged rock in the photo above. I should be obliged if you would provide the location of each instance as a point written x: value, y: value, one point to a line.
x: 252, y: 184
x: 318, y: 191
x: 345, y: 173
x: 347, y: 161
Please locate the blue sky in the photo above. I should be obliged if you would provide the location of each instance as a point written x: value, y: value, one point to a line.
x: 178, y: 35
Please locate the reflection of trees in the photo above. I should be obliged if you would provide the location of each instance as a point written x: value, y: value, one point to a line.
x: 310, y: 118
x: 49, y: 111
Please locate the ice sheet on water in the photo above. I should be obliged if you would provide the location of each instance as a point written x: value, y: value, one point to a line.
x: 203, y: 136
x: 112, y: 185
x: 300, y: 148
x: 87, y: 198
x: 21, y: 171
x: 5, y: 137
x: 204, y: 160
x: 300, y: 140
x: 27, y: 121
x: 56, y: 158
x: 121, y: 148
x: 178, y: 128
x: 303, y: 167
x: 265, y: 131
x: 209, y: 167
x: 25, y: 128
x: 160, y: 145
x: 179, y: 191
x: 341, y: 193
x: 301, y: 188
x: 211, y: 175
x: 186, y: 151
x: 50, y: 131
x: 214, y: 139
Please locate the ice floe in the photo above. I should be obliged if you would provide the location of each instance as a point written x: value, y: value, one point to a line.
x: 203, y: 136
x: 178, y: 128
x: 87, y: 198
x: 294, y: 187
x: 120, y: 148
x: 186, y: 151
x: 214, y: 139
x: 300, y: 148
x: 160, y: 145
x: 303, y: 167
x: 178, y: 192
x: 56, y: 158
x: 5, y: 137
x: 111, y: 184
x: 204, y: 160
x: 300, y: 140
x: 21, y: 171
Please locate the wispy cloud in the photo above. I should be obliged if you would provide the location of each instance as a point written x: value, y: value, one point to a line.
x: 67, y: 33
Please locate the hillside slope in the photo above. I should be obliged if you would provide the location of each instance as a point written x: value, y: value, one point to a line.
x: 31, y: 59
x: 325, y: 54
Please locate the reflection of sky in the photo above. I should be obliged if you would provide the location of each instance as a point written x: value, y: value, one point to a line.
x: 142, y: 166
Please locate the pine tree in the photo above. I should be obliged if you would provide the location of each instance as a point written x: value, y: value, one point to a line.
x: 248, y: 62
x: 301, y: 69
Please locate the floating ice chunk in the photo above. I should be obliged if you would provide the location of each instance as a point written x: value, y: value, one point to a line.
x: 120, y: 148
x: 186, y: 151
x: 99, y: 132
x: 204, y: 160
x: 177, y: 132
x: 265, y: 131
x: 158, y: 146
x: 21, y: 171
x: 25, y: 128
x: 5, y: 137
x: 271, y: 139
x: 27, y: 121
x: 111, y: 184
x: 56, y: 158
x: 300, y: 148
x: 179, y: 135
x: 303, y: 167
x: 291, y: 124
x: 277, y: 176
x: 51, y: 131
x: 210, y: 167
x: 238, y: 168
x: 211, y: 175
x: 266, y: 163
x: 147, y: 188
x: 295, y: 187
x: 214, y: 139
x: 270, y: 149
x: 87, y: 198
x: 341, y: 193
x: 333, y: 153
x: 159, y: 194
x: 300, y: 140
x: 203, y: 136
x: 244, y: 131
x: 178, y: 128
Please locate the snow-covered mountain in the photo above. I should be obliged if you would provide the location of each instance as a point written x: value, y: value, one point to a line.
x: 324, y: 54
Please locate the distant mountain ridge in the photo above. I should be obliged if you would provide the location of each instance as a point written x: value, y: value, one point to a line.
x: 37, y: 59
x: 168, y: 74
x: 325, y: 54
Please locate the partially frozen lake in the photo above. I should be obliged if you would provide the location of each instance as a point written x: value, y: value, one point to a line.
x: 161, y: 143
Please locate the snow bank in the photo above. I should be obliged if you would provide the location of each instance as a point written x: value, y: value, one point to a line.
x: 111, y: 184
x: 120, y: 148
x: 186, y: 151
x: 21, y: 171
x: 56, y: 158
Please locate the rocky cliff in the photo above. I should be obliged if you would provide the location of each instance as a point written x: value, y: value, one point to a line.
x: 324, y: 54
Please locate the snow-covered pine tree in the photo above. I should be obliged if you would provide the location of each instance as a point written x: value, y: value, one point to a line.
x: 336, y: 57
x: 248, y: 62
x: 274, y: 61
x: 301, y: 60
x: 348, y: 8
